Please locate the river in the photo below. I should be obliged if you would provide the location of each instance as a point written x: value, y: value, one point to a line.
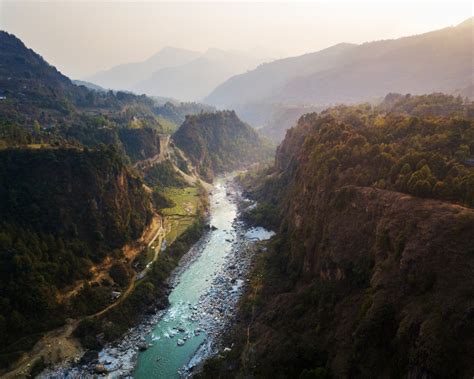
x: 206, y: 288
x: 201, y: 300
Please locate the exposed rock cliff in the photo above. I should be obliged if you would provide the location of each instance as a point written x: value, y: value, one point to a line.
x: 363, y: 279
x: 374, y: 282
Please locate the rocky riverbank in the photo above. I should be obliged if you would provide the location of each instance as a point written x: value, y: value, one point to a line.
x: 118, y: 359
x: 214, y: 312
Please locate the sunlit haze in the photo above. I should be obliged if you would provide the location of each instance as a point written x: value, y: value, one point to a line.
x: 81, y: 38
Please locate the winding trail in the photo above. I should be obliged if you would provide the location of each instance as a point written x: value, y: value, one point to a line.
x: 59, y: 345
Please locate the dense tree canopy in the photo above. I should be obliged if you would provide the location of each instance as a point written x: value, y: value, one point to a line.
x: 61, y: 211
x: 219, y: 142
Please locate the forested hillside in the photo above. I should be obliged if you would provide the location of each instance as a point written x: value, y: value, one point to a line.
x: 42, y: 106
x: 369, y: 274
x: 85, y: 176
x: 69, y: 202
x: 219, y: 142
x: 61, y: 211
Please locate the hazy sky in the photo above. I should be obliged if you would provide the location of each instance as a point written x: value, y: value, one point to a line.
x: 82, y: 37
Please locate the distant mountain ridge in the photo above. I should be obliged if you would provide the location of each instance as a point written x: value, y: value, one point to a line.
x: 256, y: 85
x: 125, y: 76
x: 178, y: 73
x: 194, y: 80
x: 437, y: 61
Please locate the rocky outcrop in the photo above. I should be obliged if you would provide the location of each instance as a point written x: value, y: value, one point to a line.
x: 162, y: 154
x: 377, y: 283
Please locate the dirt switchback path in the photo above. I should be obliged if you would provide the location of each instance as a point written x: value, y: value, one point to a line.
x: 58, y: 345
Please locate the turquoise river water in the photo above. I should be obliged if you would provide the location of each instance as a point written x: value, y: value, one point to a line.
x: 207, y: 286
x: 164, y: 357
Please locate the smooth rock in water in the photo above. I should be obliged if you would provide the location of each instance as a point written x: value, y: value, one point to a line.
x: 143, y: 346
x: 180, y: 342
x: 100, y: 369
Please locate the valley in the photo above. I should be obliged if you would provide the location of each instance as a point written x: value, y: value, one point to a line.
x: 107, y: 208
x: 60, y: 345
x: 369, y: 271
x: 190, y: 324
x: 305, y: 217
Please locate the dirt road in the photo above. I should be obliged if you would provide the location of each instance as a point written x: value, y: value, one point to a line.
x: 58, y: 345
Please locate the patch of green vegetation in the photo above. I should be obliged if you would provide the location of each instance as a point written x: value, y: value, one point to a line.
x: 164, y: 175
x: 168, y: 126
x: 176, y: 226
x: 189, y: 203
x: 185, y: 199
x: 145, y: 257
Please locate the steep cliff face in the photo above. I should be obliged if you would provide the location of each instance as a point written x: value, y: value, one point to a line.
x: 380, y: 284
x: 363, y: 280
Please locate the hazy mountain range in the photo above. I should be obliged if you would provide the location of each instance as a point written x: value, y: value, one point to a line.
x: 436, y: 61
x: 125, y: 76
x: 179, y: 73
